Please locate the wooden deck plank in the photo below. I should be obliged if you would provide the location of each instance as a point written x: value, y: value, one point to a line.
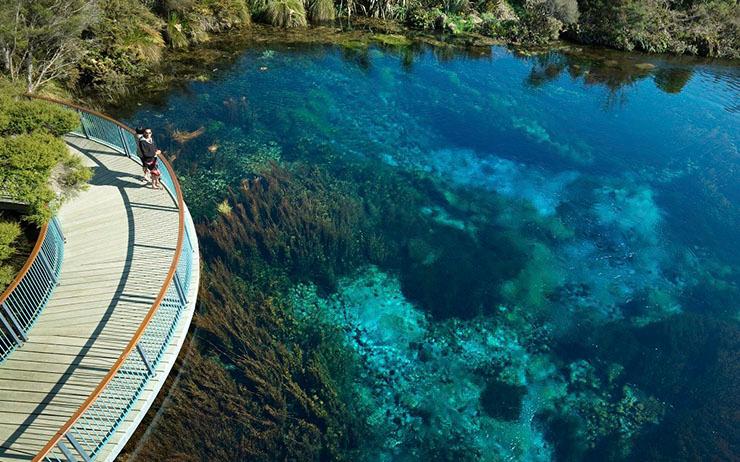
x: 120, y: 239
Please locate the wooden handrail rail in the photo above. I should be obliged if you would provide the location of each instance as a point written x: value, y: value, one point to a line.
x: 26, y: 266
x: 152, y: 311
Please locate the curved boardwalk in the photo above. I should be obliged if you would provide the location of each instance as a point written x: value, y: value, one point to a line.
x: 120, y: 240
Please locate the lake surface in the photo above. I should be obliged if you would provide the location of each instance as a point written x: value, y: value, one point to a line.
x: 558, y: 274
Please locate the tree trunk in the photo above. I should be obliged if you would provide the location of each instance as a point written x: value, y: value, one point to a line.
x: 30, y: 87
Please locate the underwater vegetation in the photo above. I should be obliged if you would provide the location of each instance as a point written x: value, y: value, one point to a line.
x: 293, y: 244
x: 244, y: 390
x: 690, y: 363
x: 431, y: 263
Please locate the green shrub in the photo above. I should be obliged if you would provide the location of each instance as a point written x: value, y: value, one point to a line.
x: 537, y: 24
x: 32, y: 151
x: 21, y: 115
x: 492, y: 26
x: 191, y: 21
x: 286, y: 13
x: 714, y: 28
x: 37, y: 152
x: 321, y: 10
x: 26, y: 165
x: 175, y: 32
x: 73, y: 175
x: 124, y: 44
x: 706, y: 27
x: 418, y: 17
x: 9, y: 233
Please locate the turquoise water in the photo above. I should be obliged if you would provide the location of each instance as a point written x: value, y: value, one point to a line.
x: 573, y: 256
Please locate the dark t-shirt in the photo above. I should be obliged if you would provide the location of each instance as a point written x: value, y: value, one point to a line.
x: 147, y: 149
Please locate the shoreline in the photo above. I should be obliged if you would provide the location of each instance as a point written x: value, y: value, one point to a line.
x: 204, y: 61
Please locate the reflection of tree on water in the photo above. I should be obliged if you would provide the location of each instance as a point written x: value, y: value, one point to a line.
x: 672, y: 80
x: 359, y: 53
x: 614, y: 71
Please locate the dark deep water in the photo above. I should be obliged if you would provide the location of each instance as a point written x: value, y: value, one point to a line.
x: 560, y: 274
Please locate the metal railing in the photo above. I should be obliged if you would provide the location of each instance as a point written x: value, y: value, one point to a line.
x: 94, y: 423
x: 25, y: 297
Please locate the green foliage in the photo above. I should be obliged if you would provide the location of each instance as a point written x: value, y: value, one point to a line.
x: 709, y: 27
x: 566, y: 11
x: 192, y: 21
x: 40, y: 39
x: 26, y: 162
x: 493, y: 26
x: 9, y: 233
x: 128, y: 40
x: 418, y: 17
x: 538, y: 25
x: 175, y: 34
x: 320, y: 10
x: 123, y: 45
x: 21, y: 115
x: 73, y: 175
x: 33, y: 156
x: 286, y: 13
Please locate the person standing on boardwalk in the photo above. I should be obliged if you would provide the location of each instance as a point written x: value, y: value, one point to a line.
x: 154, y: 173
x: 148, y: 150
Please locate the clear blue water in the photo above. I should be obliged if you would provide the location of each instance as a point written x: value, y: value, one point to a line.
x: 615, y: 184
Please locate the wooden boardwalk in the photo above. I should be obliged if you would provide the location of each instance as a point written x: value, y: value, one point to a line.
x: 120, y: 241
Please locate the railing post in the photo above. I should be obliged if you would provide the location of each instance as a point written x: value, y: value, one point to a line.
x: 11, y: 316
x: 45, y: 260
x: 144, y: 358
x: 179, y: 289
x: 58, y: 228
x: 67, y: 453
x: 9, y: 328
x: 75, y: 444
x: 82, y: 123
x: 123, y: 142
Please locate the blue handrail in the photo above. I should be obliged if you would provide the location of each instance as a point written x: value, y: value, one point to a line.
x: 95, y: 422
x: 28, y: 294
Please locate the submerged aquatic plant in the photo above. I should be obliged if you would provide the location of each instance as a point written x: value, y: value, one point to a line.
x: 275, y: 220
x: 478, y: 389
x: 182, y: 136
x: 245, y: 389
x: 541, y: 244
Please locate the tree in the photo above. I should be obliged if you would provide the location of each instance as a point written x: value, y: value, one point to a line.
x: 564, y: 10
x: 40, y: 40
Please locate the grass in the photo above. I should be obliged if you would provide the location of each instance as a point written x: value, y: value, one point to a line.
x: 286, y: 13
